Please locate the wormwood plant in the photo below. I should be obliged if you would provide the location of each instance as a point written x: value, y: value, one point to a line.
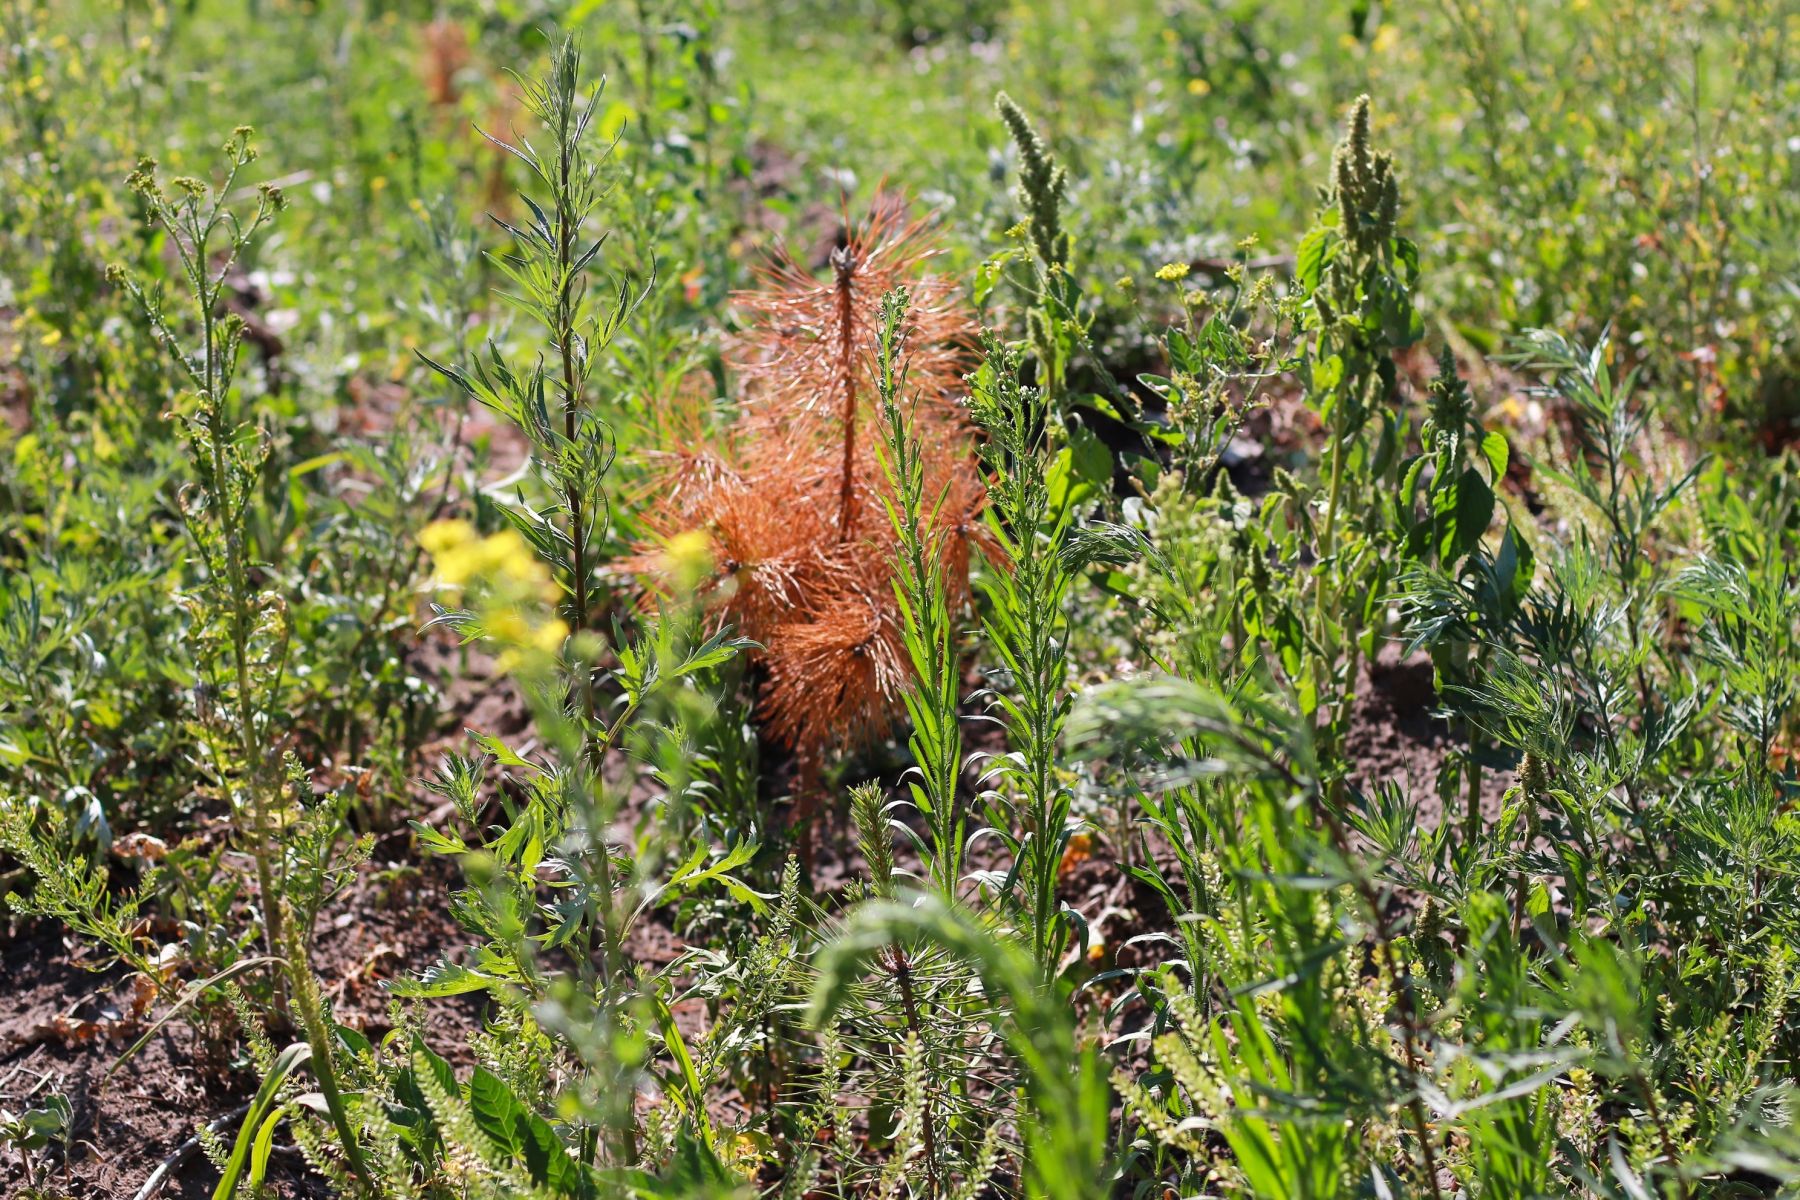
x: 922, y: 588
x: 240, y: 631
x: 552, y: 265
x: 554, y: 895
x: 1027, y: 628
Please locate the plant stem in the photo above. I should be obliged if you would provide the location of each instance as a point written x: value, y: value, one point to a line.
x: 844, y: 261
x: 910, y: 1004
x: 571, y: 385
x: 318, y: 1036
x: 1327, y: 547
x: 1472, y: 814
x: 254, y: 758
x: 1654, y: 1111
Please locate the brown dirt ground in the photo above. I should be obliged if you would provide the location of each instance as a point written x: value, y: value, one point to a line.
x: 63, y: 1026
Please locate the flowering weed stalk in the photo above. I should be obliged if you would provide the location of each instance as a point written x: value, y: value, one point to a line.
x: 240, y: 631
x: 1357, y: 274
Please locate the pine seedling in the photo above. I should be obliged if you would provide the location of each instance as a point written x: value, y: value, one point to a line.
x: 921, y: 588
x: 1062, y: 1119
x: 242, y: 631
x: 917, y: 1021
x: 788, y: 505
x: 1028, y: 629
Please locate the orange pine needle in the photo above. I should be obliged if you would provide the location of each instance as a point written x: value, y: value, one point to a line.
x: 791, y: 500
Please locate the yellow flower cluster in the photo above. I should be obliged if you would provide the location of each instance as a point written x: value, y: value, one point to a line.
x: 462, y: 556
x: 510, y: 625
x: 688, y: 559
x: 513, y: 582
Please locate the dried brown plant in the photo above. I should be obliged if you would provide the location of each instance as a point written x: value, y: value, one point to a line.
x: 445, y: 54
x: 834, y: 676
x: 807, y: 355
x: 790, y: 499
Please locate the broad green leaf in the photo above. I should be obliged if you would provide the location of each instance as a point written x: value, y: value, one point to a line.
x: 1494, y: 449
x: 495, y: 1109
x: 444, y: 978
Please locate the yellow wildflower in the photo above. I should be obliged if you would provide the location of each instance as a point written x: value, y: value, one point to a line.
x: 550, y: 636
x: 688, y: 558
x: 440, y: 536
x: 508, y: 625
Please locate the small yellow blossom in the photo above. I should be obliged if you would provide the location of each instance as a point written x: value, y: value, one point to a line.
x: 508, y: 625
x: 746, y: 1155
x: 1170, y: 272
x: 550, y: 636
x: 688, y: 558
x: 440, y: 536
x: 461, y: 556
x: 526, y: 642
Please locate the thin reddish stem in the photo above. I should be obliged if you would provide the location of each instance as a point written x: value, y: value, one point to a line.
x: 844, y: 261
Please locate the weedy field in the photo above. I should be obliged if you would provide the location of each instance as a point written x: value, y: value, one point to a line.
x: 894, y: 598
